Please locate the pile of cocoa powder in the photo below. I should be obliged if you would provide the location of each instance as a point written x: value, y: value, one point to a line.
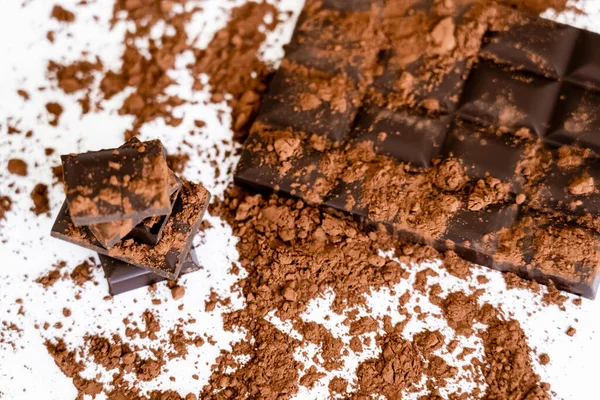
x: 292, y: 252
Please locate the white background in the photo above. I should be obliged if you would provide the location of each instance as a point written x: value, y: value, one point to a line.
x: 27, y: 250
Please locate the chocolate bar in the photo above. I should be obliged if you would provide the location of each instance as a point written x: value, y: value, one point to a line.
x: 494, y: 155
x: 127, y: 183
x: 167, y: 257
x: 123, y: 277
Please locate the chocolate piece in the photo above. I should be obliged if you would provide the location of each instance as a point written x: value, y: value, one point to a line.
x: 584, y: 69
x: 508, y: 99
x: 533, y: 44
x: 131, y: 182
x: 465, y: 175
x: 146, y: 231
x: 403, y: 134
x: 473, y: 146
x: 123, y: 277
x: 576, y: 118
x: 164, y: 259
x: 333, y: 41
x: 310, y: 101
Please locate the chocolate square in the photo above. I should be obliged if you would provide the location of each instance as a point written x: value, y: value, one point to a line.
x: 473, y: 234
x: 404, y: 134
x: 532, y: 44
x: 130, y: 182
x: 584, y: 69
x: 335, y: 42
x: 485, y: 153
x: 508, y: 99
x: 309, y: 101
x: 576, y: 118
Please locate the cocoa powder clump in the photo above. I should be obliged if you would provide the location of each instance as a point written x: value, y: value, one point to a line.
x: 17, y: 166
x: 5, y: 206
x: 62, y: 14
x: 39, y: 196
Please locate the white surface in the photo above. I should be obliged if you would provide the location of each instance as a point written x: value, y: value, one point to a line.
x: 29, y: 251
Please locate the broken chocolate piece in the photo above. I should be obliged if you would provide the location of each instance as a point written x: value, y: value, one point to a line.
x: 164, y: 259
x: 147, y: 231
x: 123, y: 277
x: 130, y: 182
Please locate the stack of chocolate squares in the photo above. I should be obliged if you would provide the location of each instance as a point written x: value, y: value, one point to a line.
x: 129, y: 207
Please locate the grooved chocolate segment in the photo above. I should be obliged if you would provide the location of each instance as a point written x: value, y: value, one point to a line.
x: 457, y: 148
x: 310, y: 101
x: 473, y: 235
x: 533, y: 44
x: 167, y: 257
x: 508, y: 99
x: 576, y: 118
x: 570, y: 190
x: 485, y: 153
x: 441, y: 93
x: 147, y: 230
x: 584, y: 69
x: 123, y: 277
x: 332, y: 41
x: 404, y: 134
x: 130, y: 182
x: 276, y: 159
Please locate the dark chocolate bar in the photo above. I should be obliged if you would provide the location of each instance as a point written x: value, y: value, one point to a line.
x: 130, y: 182
x: 496, y: 157
x: 123, y: 277
x: 167, y: 257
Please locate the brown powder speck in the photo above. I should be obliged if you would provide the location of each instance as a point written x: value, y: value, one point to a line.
x: 61, y: 14
x: 544, y: 359
x: 460, y: 310
x: 582, y: 186
x: 178, y: 292
x: 39, y: 196
x: 397, y: 368
x: 5, y: 206
x: 55, y: 110
x: 17, y: 166
x: 571, y: 331
x: 82, y: 273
